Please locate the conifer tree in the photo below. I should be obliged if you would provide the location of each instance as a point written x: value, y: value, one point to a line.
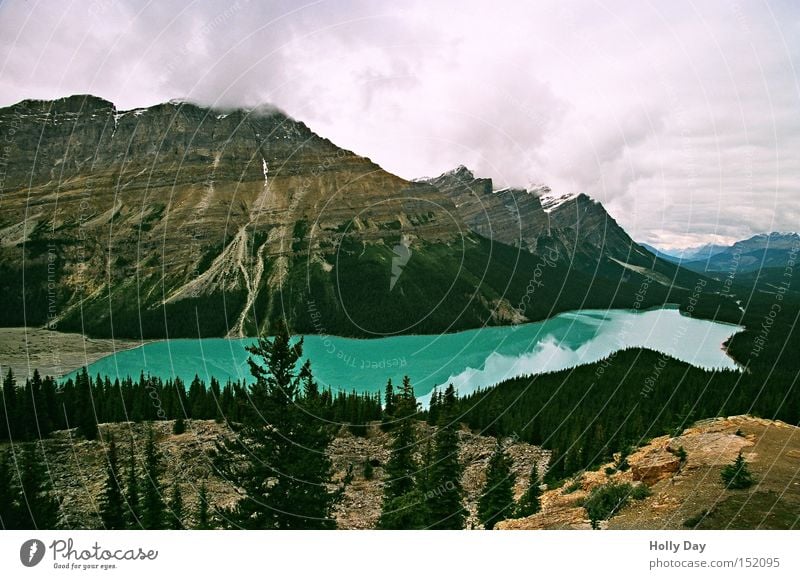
x: 132, y: 492
x: 404, y: 503
x: 530, y: 502
x: 497, y: 500
x: 38, y: 508
x: 112, y: 509
x: 203, y: 521
x: 402, y: 466
x: 9, y: 499
x: 287, y: 469
x: 85, y: 419
x: 176, y: 508
x: 445, y: 494
x: 368, y: 471
x: 152, y: 495
x: 737, y: 475
x: 10, y: 411
x: 388, y: 407
x: 179, y: 426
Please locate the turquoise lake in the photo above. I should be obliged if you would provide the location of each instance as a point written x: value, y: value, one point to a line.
x: 470, y: 359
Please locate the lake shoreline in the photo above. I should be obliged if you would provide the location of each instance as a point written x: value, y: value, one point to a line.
x: 54, y: 353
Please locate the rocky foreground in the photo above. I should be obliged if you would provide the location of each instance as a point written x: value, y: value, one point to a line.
x: 78, y: 468
x: 683, y: 492
x: 689, y: 493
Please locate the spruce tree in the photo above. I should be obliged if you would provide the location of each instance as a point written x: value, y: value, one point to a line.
x: 404, y: 503
x: 132, y: 493
x: 9, y: 496
x: 737, y: 474
x: 179, y: 426
x: 176, y: 508
x: 388, y: 407
x: 152, y: 495
x: 112, y: 508
x: 286, y: 468
x: 497, y: 500
x: 530, y: 502
x: 39, y: 509
x: 85, y: 419
x: 445, y: 494
x: 10, y: 412
x: 203, y: 521
x: 368, y: 471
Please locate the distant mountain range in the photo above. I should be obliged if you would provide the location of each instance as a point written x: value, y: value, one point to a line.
x: 179, y: 220
x: 762, y: 251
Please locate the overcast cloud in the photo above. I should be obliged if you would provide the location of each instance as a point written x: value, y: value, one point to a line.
x: 682, y: 118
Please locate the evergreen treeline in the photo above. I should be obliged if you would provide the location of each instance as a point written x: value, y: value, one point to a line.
x: 586, y: 414
x: 26, y: 500
x: 422, y: 490
x: 33, y: 410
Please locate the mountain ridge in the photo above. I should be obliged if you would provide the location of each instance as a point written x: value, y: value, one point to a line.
x: 178, y: 220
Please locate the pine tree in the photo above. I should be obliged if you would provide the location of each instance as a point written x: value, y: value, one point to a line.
x: 39, y: 509
x: 404, y: 504
x: 445, y: 494
x: 9, y: 499
x: 176, y: 508
x: 85, y: 420
x: 179, y: 426
x: 368, y: 471
x: 530, y: 502
x: 152, y: 496
x: 132, y: 493
x: 737, y: 475
x: 10, y: 411
x: 287, y: 469
x: 401, y: 467
x: 203, y: 521
x: 112, y: 510
x: 497, y: 500
x: 389, y: 407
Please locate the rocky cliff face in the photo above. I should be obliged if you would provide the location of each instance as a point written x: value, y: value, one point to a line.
x: 535, y: 219
x: 688, y: 492
x: 78, y: 469
x: 190, y: 201
x: 184, y: 221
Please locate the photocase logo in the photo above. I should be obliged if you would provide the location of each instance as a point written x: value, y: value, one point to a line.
x: 31, y: 553
x: 402, y: 253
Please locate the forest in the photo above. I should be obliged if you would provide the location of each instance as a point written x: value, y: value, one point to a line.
x: 583, y: 415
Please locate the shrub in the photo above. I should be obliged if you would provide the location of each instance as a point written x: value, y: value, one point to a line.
x: 641, y: 492
x: 369, y: 472
x: 604, y: 502
x: 179, y: 427
x: 695, y: 519
x: 737, y: 474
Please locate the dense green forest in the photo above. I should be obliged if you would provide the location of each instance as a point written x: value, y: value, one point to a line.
x: 583, y: 415
x: 39, y: 406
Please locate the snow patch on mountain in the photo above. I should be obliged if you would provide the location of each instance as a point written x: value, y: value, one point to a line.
x: 552, y: 202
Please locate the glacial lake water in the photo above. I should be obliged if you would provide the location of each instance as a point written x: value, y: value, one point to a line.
x: 470, y: 360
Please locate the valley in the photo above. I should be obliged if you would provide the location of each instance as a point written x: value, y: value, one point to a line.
x: 180, y: 221
x: 473, y: 357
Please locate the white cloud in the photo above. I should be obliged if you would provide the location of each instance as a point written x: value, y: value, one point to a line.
x: 681, y: 118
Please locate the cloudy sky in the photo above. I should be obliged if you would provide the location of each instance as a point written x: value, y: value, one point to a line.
x: 683, y: 118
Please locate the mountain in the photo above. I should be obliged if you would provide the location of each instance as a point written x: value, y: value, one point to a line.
x: 687, y: 253
x: 179, y: 220
x: 762, y: 251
